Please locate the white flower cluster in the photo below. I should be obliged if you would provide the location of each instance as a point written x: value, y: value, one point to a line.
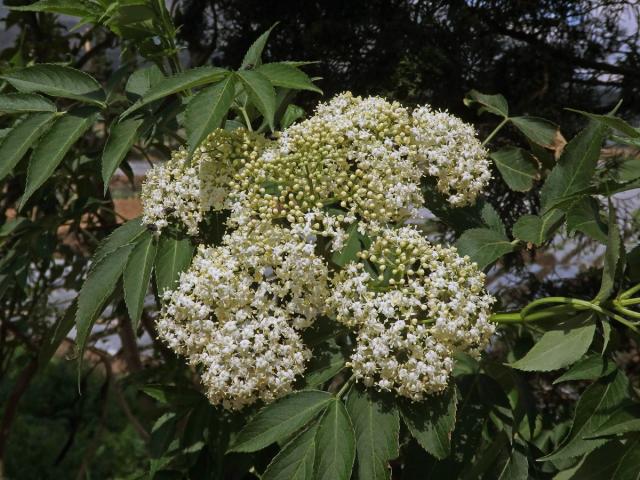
x: 238, y: 311
x: 183, y: 190
x: 412, y: 305
x: 448, y: 149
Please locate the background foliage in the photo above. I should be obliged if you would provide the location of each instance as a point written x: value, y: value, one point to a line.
x: 140, y: 410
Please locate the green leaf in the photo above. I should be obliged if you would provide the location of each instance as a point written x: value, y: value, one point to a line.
x: 537, y: 229
x: 20, y: 139
x: 141, y: 81
x: 121, y: 138
x: 57, y: 81
x: 95, y: 291
x: 206, y: 111
x: 261, y: 93
x: 54, y: 145
x: 538, y: 130
x: 126, y: 233
x: 492, y: 219
x: 136, y: 276
x: 431, y: 421
x: 58, y: 333
x: 561, y: 346
x: 74, y: 8
x: 327, y: 360
x: 584, y: 216
x: 279, y: 420
x: 516, y: 464
x: 287, y: 76
x: 25, y: 103
x: 590, y: 368
x: 610, y: 121
x: 483, y: 245
x: 613, y: 257
x: 495, y: 104
x: 576, y: 166
x: 335, y: 443
x: 178, y: 83
x: 624, y: 420
x: 377, y: 428
x: 592, y: 411
x: 292, y: 114
x: 253, y: 57
x: 162, y: 434
x: 517, y: 168
x: 614, y: 461
x: 296, y: 460
x: 174, y: 256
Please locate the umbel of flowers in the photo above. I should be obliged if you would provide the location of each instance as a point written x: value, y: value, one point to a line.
x: 353, y: 168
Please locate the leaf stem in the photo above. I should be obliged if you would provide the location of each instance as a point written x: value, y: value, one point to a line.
x: 346, y: 386
x: 495, y: 130
x: 630, y: 292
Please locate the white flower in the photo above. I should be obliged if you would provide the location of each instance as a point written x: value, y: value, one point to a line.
x: 449, y: 150
x: 238, y: 309
x: 411, y: 306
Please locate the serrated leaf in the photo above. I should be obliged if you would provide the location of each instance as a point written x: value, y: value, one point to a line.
x: 561, y: 346
x: 57, y: 81
x: 538, y: 130
x: 483, y: 245
x: 206, y: 111
x: 142, y: 80
x: 517, y: 168
x: 624, y: 420
x: 613, y: 257
x: 162, y: 434
x: 20, y: 139
x: 335, y: 443
x: 537, y: 229
x: 431, y: 421
x: 121, y: 138
x: 287, y: 76
x: 280, y: 419
x: 492, y: 219
x: 25, y: 103
x: 291, y: 115
x: 576, y: 166
x: 137, y: 274
x: 54, y: 145
x: 253, y: 57
x: 516, y: 464
x: 95, y: 291
x: 177, y: 83
x: 128, y: 232
x: 589, y: 368
x: 296, y: 460
x: 584, y: 216
x: 495, y: 104
x: 173, y: 257
x: 592, y: 411
x: 377, y: 429
x: 327, y: 360
x: 610, y: 121
x: 614, y: 461
x: 261, y: 93
x: 74, y: 8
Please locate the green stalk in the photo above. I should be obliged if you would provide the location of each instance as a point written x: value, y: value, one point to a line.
x: 495, y: 130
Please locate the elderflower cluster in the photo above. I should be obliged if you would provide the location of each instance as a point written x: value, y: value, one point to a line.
x: 354, y: 154
x: 238, y: 311
x: 449, y: 150
x: 183, y: 190
x: 411, y: 305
